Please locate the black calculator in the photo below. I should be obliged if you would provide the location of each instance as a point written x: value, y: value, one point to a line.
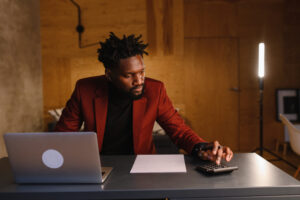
x: 210, y: 167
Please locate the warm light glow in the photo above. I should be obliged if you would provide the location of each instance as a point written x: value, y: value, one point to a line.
x: 261, y: 60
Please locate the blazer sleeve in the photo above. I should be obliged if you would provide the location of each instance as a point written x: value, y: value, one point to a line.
x: 71, y: 118
x: 169, y: 119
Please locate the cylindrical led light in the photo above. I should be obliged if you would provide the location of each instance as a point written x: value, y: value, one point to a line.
x: 261, y: 60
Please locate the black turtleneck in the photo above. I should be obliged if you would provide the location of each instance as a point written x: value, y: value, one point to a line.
x: 118, y: 137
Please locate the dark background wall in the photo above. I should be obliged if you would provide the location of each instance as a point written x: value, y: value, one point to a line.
x: 21, y: 101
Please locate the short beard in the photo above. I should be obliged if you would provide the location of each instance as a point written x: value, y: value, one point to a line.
x: 136, y: 97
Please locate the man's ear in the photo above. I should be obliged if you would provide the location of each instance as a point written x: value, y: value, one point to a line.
x: 108, y: 74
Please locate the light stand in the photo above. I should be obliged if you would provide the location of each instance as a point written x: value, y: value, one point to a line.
x: 261, y: 74
x: 261, y: 134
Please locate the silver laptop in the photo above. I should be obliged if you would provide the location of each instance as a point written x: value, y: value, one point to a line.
x: 55, y: 157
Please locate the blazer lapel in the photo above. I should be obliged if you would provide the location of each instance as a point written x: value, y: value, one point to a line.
x: 139, y: 107
x: 101, y: 104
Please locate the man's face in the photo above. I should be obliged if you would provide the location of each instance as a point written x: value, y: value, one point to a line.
x: 129, y: 76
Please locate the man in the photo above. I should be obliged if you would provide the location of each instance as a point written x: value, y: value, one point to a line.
x: 122, y: 106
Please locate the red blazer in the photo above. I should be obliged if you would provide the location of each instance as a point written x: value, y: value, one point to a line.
x: 89, y: 102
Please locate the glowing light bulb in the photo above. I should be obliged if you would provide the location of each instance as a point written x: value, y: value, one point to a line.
x: 261, y: 60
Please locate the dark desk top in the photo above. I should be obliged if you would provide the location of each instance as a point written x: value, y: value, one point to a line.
x: 255, y: 177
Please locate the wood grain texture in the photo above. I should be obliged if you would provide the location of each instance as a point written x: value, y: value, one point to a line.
x: 165, y: 27
x: 212, y: 70
x: 210, y: 18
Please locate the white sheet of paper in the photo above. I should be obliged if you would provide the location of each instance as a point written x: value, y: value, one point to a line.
x: 159, y: 164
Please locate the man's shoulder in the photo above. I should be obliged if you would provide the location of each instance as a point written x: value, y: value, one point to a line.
x: 153, y: 83
x: 153, y: 86
x: 94, y: 80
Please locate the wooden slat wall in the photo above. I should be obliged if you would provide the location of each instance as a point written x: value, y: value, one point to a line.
x: 211, y: 39
x: 211, y: 71
x: 210, y: 18
x: 165, y: 27
x: 168, y: 26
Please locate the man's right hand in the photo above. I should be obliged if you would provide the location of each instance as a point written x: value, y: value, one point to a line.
x: 215, y: 152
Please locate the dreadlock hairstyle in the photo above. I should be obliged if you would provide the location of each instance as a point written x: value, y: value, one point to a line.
x: 114, y: 49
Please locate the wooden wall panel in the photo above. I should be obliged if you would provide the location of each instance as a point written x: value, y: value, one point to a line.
x: 211, y: 55
x: 120, y: 17
x: 58, y: 35
x: 212, y: 70
x: 56, y: 84
x: 291, y: 42
x: 210, y: 18
x: 165, y: 27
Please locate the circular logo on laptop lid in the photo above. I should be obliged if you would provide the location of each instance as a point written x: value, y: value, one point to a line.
x: 52, y: 158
